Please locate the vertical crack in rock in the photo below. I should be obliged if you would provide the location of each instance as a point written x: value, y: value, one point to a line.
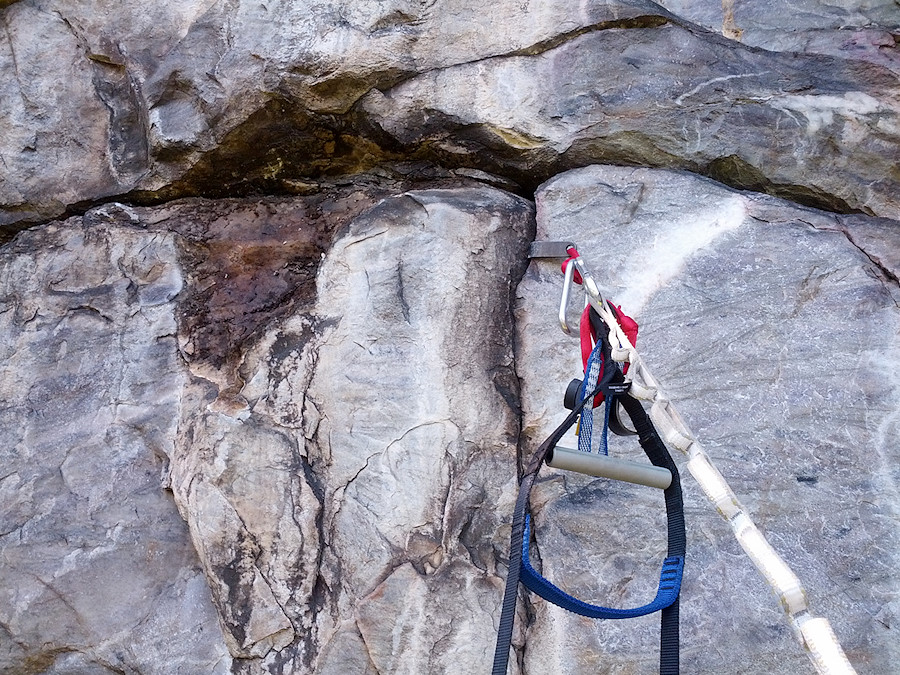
x: 404, y: 305
x: 415, y: 467
x: 119, y: 90
x: 318, y: 595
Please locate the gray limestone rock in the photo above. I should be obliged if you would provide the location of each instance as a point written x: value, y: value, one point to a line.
x: 98, y: 572
x: 107, y: 98
x: 817, y: 130
x: 336, y: 436
x: 863, y: 30
x: 411, y: 426
x: 774, y: 330
x: 218, y: 99
x: 279, y: 434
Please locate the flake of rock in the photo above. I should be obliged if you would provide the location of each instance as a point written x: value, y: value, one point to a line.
x: 104, y: 98
x: 239, y: 471
x: 817, y: 130
x: 217, y: 99
x: 774, y: 330
x: 417, y: 403
x: 349, y: 430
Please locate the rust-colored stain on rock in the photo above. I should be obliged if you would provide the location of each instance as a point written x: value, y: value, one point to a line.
x: 250, y: 263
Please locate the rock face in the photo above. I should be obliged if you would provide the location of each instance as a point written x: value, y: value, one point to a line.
x: 774, y: 329
x: 205, y: 98
x: 343, y: 452
x: 99, y: 573
x: 527, y: 115
x: 859, y: 31
x: 273, y: 351
x: 346, y: 467
x: 426, y: 464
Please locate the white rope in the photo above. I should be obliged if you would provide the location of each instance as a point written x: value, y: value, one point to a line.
x: 814, y: 634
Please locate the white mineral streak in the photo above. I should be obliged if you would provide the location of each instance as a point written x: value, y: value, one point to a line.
x: 652, y: 265
x: 820, y: 110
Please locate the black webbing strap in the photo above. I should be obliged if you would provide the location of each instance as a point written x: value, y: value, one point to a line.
x: 659, y: 456
x: 510, y: 594
x: 677, y: 539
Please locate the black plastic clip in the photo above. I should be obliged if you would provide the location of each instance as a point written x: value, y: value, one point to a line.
x: 616, y: 425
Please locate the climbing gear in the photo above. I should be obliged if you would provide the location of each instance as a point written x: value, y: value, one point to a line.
x: 814, y: 633
x: 604, y: 382
x: 602, y: 466
x: 666, y: 600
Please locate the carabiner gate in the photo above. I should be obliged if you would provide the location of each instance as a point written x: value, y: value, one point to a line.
x: 591, y: 291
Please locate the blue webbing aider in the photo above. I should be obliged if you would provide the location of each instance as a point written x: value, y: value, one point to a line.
x: 669, y: 587
x: 592, y: 374
x: 520, y: 569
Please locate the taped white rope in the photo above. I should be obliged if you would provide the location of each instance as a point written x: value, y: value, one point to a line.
x: 815, y: 634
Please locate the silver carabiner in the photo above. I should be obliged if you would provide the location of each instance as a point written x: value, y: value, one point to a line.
x: 591, y: 291
x: 564, y: 300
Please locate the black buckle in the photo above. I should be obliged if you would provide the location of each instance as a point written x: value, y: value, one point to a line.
x: 570, y: 398
x: 616, y: 425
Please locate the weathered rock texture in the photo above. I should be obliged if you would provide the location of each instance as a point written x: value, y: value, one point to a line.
x: 98, y: 571
x: 345, y: 459
x: 865, y: 31
x: 210, y: 98
x: 336, y: 455
x: 274, y: 427
x: 753, y: 119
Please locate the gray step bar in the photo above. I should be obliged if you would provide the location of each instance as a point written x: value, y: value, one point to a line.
x: 604, y: 466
